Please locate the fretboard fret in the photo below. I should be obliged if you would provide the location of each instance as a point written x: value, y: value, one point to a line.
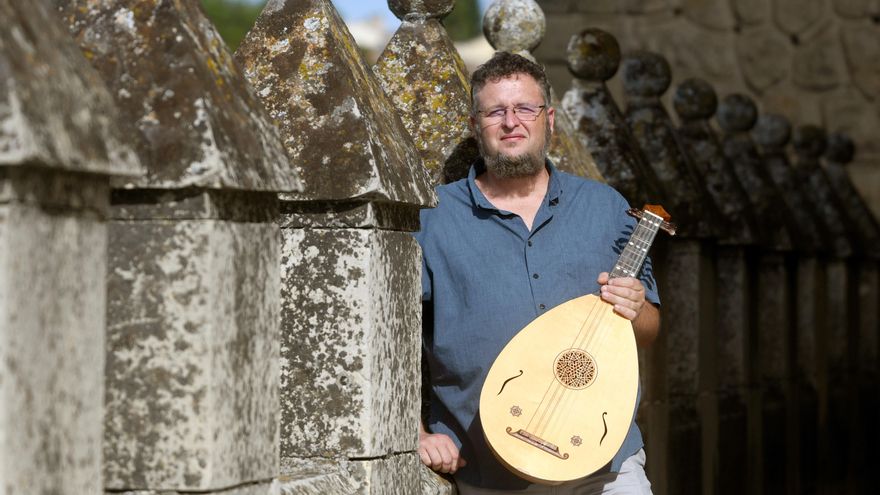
x: 636, y: 250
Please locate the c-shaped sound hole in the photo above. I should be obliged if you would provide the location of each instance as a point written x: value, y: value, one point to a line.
x: 575, y: 369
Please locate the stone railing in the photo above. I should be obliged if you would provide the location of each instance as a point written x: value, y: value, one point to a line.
x: 208, y: 282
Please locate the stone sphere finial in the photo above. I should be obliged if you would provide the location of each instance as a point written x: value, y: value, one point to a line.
x: 737, y: 113
x: 593, y: 55
x: 695, y: 99
x: 809, y: 140
x: 646, y: 74
x: 772, y: 131
x: 841, y: 149
x: 514, y: 25
x: 407, y: 10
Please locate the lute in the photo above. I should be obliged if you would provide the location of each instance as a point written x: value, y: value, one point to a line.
x: 559, y: 399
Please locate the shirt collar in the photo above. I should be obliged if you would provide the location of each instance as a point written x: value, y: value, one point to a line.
x: 554, y: 187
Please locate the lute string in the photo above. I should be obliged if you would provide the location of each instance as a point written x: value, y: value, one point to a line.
x: 595, y: 335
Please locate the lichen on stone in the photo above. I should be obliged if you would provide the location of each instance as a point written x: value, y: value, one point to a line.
x: 174, y: 77
x: 339, y: 128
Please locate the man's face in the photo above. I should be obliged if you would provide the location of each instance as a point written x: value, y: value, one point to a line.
x: 511, y: 146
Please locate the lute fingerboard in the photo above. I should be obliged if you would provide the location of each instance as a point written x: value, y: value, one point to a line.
x: 636, y: 251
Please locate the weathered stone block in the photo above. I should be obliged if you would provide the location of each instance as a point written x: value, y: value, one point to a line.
x: 712, y: 14
x: 686, y: 314
x: 869, y: 319
x: 810, y: 317
x: 840, y: 327
x: 264, y: 488
x: 796, y: 16
x: 818, y: 65
x: 733, y: 319
x: 862, y: 47
x: 435, y: 484
x: 392, y: 475
x: 351, y: 326
x: 773, y: 321
x: 763, y: 56
x: 192, y: 355
x: 681, y: 317
x: 752, y: 11
x: 854, y: 9
x: 53, y: 246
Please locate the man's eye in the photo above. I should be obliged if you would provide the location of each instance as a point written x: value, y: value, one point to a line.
x: 498, y: 112
x: 526, y: 111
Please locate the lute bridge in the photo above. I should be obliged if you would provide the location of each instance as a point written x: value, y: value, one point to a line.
x: 537, y: 442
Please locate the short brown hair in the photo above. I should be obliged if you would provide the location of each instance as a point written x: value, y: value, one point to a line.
x: 506, y: 64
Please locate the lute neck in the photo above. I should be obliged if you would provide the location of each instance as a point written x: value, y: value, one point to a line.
x: 636, y: 251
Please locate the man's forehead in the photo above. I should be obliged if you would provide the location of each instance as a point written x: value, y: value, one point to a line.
x: 514, y: 77
x: 525, y: 84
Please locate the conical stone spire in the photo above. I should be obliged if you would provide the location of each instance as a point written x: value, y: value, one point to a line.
x: 593, y: 58
x: 810, y: 142
x: 695, y: 103
x: 838, y: 155
x: 518, y: 26
x: 198, y: 121
x: 736, y: 116
x: 330, y: 108
x: 55, y: 110
x: 427, y: 82
x: 646, y: 76
x: 772, y: 133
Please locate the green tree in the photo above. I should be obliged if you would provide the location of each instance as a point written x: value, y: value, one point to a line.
x: 233, y: 18
x: 464, y: 21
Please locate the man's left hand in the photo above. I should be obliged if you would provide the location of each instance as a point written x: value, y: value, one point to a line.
x: 627, y: 294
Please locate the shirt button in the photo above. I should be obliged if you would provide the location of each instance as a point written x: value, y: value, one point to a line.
x: 530, y: 243
x: 535, y: 275
x: 541, y: 306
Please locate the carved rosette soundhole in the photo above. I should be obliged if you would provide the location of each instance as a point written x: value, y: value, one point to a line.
x: 575, y: 369
x: 515, y: 411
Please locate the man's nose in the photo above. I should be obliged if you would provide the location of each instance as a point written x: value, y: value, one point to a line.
x: 510, y: 119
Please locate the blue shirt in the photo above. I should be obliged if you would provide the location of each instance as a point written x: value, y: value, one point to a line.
x: 486, y: 276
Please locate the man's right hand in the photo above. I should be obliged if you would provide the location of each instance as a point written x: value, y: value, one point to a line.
x: 439, y: 452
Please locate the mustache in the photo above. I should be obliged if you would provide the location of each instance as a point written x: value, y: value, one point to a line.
x: 508, y: 166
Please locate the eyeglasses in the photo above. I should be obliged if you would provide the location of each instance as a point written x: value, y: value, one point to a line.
x: 525, y: 113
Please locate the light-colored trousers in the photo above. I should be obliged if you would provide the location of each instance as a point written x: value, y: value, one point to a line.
x: 631, y: 480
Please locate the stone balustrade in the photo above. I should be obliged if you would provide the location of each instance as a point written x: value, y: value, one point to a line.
x: 208, y: 281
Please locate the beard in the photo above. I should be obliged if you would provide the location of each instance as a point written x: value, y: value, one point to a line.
x: 508, y: 167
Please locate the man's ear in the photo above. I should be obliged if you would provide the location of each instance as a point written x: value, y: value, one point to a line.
x: 551, y: 118
x: 472, y: 124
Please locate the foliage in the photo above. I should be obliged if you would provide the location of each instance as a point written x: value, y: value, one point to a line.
x: 464, y: 21
x: 233, y: 18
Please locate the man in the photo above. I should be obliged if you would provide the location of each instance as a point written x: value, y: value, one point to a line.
x: 505, y: 245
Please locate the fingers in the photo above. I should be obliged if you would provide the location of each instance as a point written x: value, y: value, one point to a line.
x: 438, y: 452
x: 626, y: 294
